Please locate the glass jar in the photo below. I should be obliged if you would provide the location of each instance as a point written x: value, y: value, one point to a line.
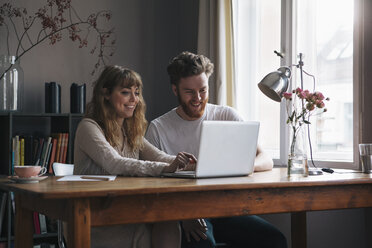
x: 11, y: 84
x: 297, y: 155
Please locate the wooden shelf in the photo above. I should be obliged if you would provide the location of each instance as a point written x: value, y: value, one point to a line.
x: 35, y: 124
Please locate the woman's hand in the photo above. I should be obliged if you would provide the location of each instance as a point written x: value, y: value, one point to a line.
x: 183, y: 161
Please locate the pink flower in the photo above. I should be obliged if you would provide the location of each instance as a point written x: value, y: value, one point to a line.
x: 298, y: 90
x: 287, y: 95
x: 307, y: 93
x: 302, y: 108
x: 310, y: 106
x: 313, y: 97
x: 320, y: 104
x: 319, y: 95
x: 301, y: 95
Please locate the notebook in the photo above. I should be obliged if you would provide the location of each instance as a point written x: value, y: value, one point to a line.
x: 227, y: 148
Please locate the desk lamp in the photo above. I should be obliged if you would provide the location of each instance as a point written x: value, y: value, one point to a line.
x: 276, y: 83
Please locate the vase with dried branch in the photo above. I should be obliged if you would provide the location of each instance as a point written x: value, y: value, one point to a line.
x: 51, y: 22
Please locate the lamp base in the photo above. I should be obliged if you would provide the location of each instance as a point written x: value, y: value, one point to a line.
x: 315, y: 172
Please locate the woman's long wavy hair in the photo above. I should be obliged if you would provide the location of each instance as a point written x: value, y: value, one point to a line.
x: 100, y: 109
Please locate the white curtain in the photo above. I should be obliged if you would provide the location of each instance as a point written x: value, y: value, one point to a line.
x: 215, y: 40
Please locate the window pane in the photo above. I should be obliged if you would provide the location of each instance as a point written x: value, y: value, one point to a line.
x: 256, y: 36
x: 326, y: 39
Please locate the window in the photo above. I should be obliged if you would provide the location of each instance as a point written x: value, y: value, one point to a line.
x: 326, y: 39
x: 257, y: 35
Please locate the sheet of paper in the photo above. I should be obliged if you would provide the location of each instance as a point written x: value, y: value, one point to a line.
x: 87, y: 178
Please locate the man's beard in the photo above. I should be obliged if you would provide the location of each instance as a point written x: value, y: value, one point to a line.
x: 189, y: 112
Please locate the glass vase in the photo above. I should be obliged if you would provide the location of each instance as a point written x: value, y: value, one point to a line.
x: 11, y: 84
x: 297, y: 156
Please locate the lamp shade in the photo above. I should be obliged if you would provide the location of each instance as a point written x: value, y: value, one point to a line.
x: 276, y: 83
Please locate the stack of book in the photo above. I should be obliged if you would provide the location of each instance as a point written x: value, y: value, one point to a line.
x: 43, y: 151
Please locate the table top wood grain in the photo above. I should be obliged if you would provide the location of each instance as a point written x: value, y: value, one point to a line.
x: 147, y: 199
x: 50, y: 188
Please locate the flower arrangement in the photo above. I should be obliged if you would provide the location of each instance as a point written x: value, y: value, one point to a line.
x: 49, y: 22
x: 300, y: 110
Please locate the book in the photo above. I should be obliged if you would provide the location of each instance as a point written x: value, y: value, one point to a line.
x: 65, y: 145
x: 58, y: 149
x: 39, y: 151
x: 61, y: 148
x: 43, y: 225
x: 46, y: 153
x: 36, y: 223
x: 43, y: 151
x: 52, y: 155
x: 35, y: 150
x: 16, y: 150
x: 22, y: 151
x: 28, y: 149
x: 48, y: 156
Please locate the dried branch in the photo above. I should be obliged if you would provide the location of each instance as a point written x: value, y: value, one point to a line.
x: 54, y: 18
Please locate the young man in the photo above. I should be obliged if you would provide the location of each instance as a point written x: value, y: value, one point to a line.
x: 179, y: 130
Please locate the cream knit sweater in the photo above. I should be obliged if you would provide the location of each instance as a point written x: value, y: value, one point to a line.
x: 93, y: 155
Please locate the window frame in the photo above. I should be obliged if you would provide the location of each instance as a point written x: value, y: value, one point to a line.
x: 288, y: 42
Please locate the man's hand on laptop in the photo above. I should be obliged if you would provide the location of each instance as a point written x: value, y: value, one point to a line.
x: 195, y: 228
x: 181, y: 162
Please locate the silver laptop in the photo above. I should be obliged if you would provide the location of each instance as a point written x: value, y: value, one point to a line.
x: 227, y: 148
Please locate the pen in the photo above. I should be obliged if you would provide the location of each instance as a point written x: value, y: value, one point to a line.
x: 96, y: 178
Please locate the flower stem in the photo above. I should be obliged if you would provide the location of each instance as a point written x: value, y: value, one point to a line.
x: 293, y: 143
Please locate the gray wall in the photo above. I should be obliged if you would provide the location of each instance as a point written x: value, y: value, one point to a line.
x: 149, y: 33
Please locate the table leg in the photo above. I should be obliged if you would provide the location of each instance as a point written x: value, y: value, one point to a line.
x: 23, y: 225
x: 78, y: 234
x: 298, y: 230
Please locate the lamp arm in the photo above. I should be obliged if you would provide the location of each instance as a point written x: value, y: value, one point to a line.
x: 313, y: 77
x: 300, y: 64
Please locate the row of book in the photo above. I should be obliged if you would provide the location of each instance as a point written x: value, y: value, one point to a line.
x: 43, y: 151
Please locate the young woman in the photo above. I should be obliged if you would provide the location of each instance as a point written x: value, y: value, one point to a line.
x: 109, y: 140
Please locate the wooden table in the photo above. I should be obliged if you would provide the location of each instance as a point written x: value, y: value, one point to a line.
x: 136, y: 200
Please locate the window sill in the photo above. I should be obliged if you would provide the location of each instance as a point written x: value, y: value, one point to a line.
x: 321, y: 164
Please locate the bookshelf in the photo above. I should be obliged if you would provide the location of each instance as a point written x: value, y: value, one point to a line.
x: 36, y: 124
